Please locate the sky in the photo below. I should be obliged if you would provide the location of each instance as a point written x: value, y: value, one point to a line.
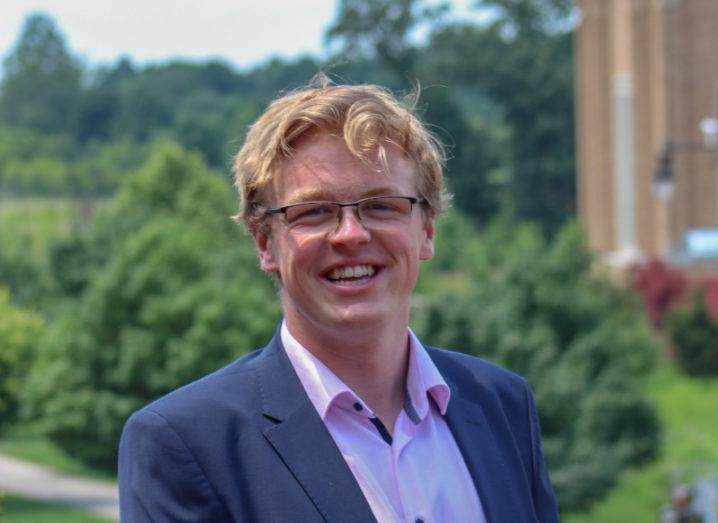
x: 242, y: 32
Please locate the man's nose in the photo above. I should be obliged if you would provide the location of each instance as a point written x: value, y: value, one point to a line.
x: 350, y: 229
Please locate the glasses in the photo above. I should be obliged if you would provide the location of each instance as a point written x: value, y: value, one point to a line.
x: 373, y: 212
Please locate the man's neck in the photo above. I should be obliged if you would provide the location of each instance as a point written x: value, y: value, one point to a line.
x: 372, y: 362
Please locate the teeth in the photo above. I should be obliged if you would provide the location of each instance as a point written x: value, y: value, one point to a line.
x: 357, y: 271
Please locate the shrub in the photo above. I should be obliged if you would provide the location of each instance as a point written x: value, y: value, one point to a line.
x: 660, y: 287
x: 695, y: 336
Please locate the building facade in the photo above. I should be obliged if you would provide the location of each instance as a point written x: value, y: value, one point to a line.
x: 646, y: 77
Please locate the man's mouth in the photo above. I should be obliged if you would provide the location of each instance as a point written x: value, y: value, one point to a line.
x: 351, y: 274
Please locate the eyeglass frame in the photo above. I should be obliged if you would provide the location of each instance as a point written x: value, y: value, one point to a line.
x: 413, y: 200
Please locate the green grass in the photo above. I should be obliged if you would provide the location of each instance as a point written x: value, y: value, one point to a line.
x: 30, y: 447
x: 14, y: 509
x: 687, y: 408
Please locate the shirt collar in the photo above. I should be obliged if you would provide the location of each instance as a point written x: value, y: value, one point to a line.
x: 325, y: 389
x: 424, y: 380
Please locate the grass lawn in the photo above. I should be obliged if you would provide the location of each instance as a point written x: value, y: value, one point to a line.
x: 20, y: 510
x: 690, y: 450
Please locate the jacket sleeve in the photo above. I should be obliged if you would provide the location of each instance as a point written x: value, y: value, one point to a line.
x: 159, y: 478
x: 543, y: 496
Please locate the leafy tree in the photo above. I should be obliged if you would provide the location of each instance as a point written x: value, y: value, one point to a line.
x: 581, y: 342
x: 170, y: 294
x: 100, y: 107
x: 472, y: 158
x: 20, y: 331
x: 522, y: 60
x: 382, y: 29
x: 41, y: 81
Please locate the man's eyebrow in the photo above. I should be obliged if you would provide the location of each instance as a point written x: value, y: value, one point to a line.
x: 309, y: 195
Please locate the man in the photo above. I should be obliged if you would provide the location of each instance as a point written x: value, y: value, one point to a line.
x: 344, y: 416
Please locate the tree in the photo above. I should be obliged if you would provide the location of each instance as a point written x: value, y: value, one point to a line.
x: 20, y: 332
x: 381, y: 29
x: 580, y: 341
x: 472, y: 158
x: 522, y: 60
x: 41, y: 83
x: 170, y: 294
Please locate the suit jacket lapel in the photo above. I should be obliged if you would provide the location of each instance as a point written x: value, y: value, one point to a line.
x: 482, y: 451
x: 482, y: 456
x: 299, y: 436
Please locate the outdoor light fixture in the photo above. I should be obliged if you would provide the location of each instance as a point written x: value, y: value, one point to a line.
x: 664, y: 183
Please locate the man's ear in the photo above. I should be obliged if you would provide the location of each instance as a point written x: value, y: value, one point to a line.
x: 265, y: 251
x: 426, y: 251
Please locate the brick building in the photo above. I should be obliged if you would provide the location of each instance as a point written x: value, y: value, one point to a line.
x: 647, y: 76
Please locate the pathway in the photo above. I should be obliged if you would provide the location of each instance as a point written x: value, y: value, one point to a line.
x: 43, y: 484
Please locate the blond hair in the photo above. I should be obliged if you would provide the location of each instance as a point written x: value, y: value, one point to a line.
x: 368, y: 117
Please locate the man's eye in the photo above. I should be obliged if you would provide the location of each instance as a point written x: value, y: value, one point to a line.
x: 382, y: 206
x: 310, y: 213
x: 379, y: 207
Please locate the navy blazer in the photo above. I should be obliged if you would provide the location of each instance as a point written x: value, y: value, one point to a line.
x: 246, y: 444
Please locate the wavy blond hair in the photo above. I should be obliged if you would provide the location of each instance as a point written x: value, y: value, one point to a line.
x: 368, y: 117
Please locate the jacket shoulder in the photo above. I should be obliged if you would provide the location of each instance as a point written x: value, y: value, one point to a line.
x: 473, y: 377
x: 224, y: 388
x: 459, y: 364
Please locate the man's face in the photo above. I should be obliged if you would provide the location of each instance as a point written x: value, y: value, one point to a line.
x: 318, y: 292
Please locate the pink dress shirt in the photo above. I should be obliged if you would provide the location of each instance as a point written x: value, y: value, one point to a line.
x: 419, y: 475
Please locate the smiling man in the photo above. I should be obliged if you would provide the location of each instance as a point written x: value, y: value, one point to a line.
x: 344, y: 416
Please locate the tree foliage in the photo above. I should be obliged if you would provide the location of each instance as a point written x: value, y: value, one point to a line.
x: 522, y: 61
x: 536, y: 309
x: 41, y: 81
x: 20, y: 331
x: 171, y: 294
x: 382, y: 29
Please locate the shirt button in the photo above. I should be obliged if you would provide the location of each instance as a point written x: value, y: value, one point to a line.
x: 358, y: 408
x: 419, y: 520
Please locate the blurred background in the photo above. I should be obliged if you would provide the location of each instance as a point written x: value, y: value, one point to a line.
x: 581, y: 250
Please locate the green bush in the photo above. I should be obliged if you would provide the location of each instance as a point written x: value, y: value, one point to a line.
x: 171, y: 293
x: 20, y: 331
x: 694, y: 334
x: 582, y: 343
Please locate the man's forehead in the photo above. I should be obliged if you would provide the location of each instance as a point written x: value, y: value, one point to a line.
x: 320, y: 144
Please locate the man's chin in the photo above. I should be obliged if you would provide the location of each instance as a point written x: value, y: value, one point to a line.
x: 364, y: 315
